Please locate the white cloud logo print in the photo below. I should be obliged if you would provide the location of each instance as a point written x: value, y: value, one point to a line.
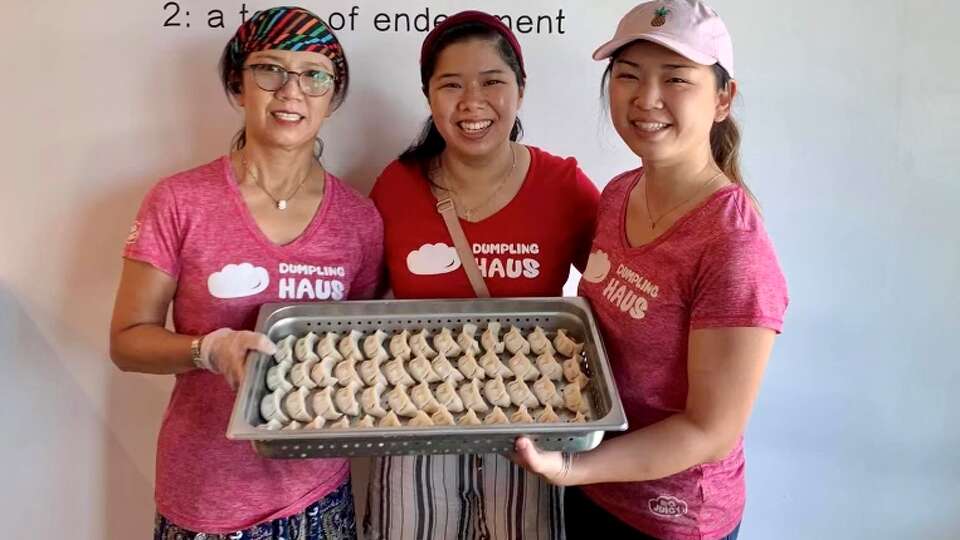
x: 433, y: 260
x: 238, y: 281
x: 598, y: 267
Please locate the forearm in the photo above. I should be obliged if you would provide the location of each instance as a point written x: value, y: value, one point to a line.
x: 659, y: 450
x: 150, y: 348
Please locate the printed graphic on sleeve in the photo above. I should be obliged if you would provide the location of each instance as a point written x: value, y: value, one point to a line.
x: 668, y: 506
x: 134, y: 233
x: 598, y: 266
x: 238, y: 281
x: 433, y: 260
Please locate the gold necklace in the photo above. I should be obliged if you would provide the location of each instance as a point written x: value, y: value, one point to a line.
x: 282, y: 202
x: 468, y: 213
x: 646, y: 200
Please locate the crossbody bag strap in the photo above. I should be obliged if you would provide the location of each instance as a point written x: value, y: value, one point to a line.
x: 449, y: 214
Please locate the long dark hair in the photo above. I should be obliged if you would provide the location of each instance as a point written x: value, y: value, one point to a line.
x: 230, y: 69
x: 724, y: 136
x: 429, y: 144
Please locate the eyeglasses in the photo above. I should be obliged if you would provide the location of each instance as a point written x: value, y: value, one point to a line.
x: 271, y: 77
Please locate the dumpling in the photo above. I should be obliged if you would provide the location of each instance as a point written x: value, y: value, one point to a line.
x: 343, y: 423
x: 373, y: 346
x: 422, y: 371
x: 371, y: 374
x: 322, y: 402
x: 300, y: 373
x: 566, y: 345
x: 316, y: 423
x: 468, y: 339
x: 328, y: 346
x: 346, y: 400
x: 469, y: 419
x: 420, y: 345
x: 549, y: 367
x: 284, y: 354
x: 572, y: 398
x: 397, y: 374
x: 521, y: 416
x: 372, y: 402
x: 349, y: 345
x: 423, y: 398
x: 493, y: 367
x: 497, y: 416
x: 447, y: 396
x: 390, y: 420
x: 523, y: 368
x: 293, y: 426
x: 443, y: 418
x: 491, y: 338
x: 277, y: 378
x: 420, y: 420
x: 520, y: 394
x: 297, y: 404
x: 547, y: 392
x: 366, y: 422
x: 572, y: 372
x: 401, y: 403
x: 271, y: 407
x: 446, y: 344
x: 400, y: 345
x: 539, y: 342
x: 272, y: 425
x: 548, y: 415
x: 346, y: 373
x: 322, y: 372
x: 305, y: 348
x: 469, y: 367
x: 514, y: 341
x: 580, y: 418
x: 445, y: 369
x: 470, y: 394
x: 496, y: 392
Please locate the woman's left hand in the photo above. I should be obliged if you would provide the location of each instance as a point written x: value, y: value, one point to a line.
x: 549, y: 465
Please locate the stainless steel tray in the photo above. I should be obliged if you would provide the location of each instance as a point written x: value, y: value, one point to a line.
x: 574, y: 314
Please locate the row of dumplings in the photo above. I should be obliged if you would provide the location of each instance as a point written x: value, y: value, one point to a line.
x: 407, y: 345
x: 283, y: 407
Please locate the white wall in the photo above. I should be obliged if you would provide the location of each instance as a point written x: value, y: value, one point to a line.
x: 851, y: 113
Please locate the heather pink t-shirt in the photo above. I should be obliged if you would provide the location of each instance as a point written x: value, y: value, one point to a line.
x: 195, y: 227
x: 714, y: 268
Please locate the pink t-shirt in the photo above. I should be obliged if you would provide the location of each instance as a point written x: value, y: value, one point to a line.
x: 714, y: 268
x: 196, y: 227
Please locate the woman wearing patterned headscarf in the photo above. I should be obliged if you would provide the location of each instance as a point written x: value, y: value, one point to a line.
x: 220, y: 240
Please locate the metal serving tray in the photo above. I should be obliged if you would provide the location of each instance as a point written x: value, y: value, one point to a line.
x: 574, y: 314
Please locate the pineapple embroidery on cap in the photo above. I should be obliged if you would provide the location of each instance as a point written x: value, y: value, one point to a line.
x: 661, y: 17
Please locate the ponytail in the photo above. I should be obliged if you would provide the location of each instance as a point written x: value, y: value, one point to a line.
x: 725, y: 141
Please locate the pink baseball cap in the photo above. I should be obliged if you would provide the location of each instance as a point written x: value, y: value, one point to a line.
x: 689, y: 28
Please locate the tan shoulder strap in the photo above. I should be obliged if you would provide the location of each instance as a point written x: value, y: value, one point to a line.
x: 449, y: 214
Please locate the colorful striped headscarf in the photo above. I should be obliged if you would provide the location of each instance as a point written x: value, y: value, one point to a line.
x: 288, y: 29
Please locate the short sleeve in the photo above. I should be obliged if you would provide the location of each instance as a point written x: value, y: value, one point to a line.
x: 155, y: 237
x: 586, y: 202
x: 739, y: 284
x: 370, y: 276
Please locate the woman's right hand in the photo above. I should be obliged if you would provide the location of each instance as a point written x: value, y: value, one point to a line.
x: 225, y: 351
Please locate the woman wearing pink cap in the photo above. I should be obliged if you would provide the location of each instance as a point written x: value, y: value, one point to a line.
x: 686, y: 287
x: 215, y: 242
x: 520, y: 217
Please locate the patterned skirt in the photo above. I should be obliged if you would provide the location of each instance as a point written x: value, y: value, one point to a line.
x: 330, y: 518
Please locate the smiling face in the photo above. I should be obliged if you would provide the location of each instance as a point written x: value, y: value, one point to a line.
x: 663, y: 105
x: 287, y: 117
x: 474, y: 97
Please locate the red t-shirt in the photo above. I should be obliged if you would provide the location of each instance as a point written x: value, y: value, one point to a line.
x: 714, y: 268
x: 195, y: 227
x: 525, y: 249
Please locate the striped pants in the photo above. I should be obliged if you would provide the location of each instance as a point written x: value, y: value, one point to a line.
x: 459, y: 497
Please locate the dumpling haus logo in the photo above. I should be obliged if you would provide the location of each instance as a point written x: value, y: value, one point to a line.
x: 668, y: 506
